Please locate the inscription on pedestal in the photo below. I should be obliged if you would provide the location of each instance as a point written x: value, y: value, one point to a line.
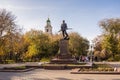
x: 63, y: 47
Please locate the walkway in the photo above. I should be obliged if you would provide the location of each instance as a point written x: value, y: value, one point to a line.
x: 41, y: 74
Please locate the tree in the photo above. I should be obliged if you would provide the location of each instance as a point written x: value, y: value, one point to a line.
x: 110, y: 42
x: 7, y: 22
x: 98, y: 43
x: 110, y: 26
x: 8, y: 34
x: 54, y: 44
x: 78, y: 45
x: 39, y: 44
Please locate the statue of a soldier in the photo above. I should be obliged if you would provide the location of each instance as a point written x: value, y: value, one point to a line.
x: 63, y: 29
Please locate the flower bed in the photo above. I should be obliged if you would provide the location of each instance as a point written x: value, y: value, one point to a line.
x: 96, y: 69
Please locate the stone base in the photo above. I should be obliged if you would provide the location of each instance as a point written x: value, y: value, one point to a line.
x: 64, y: 56
x: 63, y: 61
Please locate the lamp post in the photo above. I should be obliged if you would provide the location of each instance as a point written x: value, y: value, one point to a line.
x: 16, y: 56
x: 91, y: 50
x: 91, y: 53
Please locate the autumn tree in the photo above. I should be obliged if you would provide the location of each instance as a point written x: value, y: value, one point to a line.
x: 8, y: 34
x: 111, y: 30
x: 7, y: 22
x: 78, y: 45
x: 39, y: 45
x: 110, y: 26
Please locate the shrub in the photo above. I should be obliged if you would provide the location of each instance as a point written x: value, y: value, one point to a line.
x: 45, y: 60
x: 117, y: 57
x: 9, y: 61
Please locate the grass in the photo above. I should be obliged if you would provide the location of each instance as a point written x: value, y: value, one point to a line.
x: 45, y: 60
x: 77, y: 64
x: 101, y: 66
x: 15, y: 68
x: 98, y: 67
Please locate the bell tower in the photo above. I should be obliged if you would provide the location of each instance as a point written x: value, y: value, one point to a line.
x: 48, y: 27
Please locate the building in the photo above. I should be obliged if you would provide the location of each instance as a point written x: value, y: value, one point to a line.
x: 48, y: 27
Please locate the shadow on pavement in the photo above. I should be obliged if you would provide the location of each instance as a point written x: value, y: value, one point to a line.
x: 63, y: 79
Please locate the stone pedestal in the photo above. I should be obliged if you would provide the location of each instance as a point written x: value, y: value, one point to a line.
x: 64, y: 56
x: 64, y: 51
x: 63, y: 44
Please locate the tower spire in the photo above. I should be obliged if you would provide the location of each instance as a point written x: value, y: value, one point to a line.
x: 48, y: 21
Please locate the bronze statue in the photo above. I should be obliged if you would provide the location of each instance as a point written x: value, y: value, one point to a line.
x: 63, y: 29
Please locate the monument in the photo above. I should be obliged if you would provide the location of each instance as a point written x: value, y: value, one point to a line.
x: 64, y: 56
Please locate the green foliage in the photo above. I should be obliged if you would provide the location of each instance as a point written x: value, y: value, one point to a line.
x: 78, y: 45
x: 40, y: 45
x: 110, y: 42
x: 118, y: 46
x: 117, y: 57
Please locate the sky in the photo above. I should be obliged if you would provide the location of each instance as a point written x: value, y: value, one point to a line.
x: 83, y: 16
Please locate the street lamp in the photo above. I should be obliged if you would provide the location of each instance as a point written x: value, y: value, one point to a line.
x: 16, y: 56
x: 91, y: 50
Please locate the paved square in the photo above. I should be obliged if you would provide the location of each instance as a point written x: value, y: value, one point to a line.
x: 41, y: 74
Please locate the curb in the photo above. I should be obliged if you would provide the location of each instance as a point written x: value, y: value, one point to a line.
x: 117, y: 73
x: 25, y: 70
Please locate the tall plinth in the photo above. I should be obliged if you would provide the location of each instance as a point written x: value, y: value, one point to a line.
x: 64, y: 56
x: 63, y: 50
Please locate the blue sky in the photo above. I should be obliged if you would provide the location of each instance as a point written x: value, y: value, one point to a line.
x: 81, y: 15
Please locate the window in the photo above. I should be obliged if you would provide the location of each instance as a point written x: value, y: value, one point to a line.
x: 47, y: 30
